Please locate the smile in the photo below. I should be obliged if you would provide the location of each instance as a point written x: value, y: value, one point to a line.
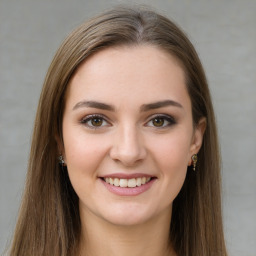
x: 127, y: 183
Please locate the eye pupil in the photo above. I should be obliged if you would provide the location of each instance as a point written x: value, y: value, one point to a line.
x: 158, y: 122
x: 97, y: 121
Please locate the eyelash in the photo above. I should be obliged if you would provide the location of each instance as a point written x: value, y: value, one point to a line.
x: 90, y: 118
x: 168, y: 121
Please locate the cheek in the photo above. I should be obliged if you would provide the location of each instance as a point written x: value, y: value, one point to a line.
x: 82, y: 153
x: 82, y: 157
x: 171, y: 152
x: 170, y: 155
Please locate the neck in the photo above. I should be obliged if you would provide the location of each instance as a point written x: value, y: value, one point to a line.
x: 100, y: 237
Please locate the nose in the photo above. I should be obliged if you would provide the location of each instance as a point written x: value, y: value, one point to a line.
x: 128, y: 147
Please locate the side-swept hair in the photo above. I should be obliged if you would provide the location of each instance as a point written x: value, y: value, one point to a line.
x: 49, y: 222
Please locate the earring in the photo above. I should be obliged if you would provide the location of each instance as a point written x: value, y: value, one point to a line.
x: 194, y: 159
x: 61, y: 160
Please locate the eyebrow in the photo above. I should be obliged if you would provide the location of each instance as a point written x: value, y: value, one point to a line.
x: 143, y: 108
x: 93, y: 104
x: 159, y: 104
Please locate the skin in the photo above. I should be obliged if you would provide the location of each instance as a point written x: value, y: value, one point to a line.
x: 127, y: 139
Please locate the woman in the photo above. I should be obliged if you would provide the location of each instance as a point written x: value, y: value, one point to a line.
x: 124, y: 157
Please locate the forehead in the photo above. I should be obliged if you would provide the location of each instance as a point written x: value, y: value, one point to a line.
x: 142, y: 73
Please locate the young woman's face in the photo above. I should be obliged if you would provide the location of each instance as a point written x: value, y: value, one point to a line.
x: 128, y: 134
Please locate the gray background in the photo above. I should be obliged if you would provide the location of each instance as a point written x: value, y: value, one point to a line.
x: 224, y: 34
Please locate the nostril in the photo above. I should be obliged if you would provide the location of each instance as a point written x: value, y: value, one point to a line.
x: 127, y: 146
x: 128, y: 156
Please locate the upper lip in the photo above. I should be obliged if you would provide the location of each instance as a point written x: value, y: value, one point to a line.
x: 127, y: 176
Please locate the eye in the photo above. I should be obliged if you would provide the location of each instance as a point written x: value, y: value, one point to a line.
x: 94, y: 121
x: 161, y: 121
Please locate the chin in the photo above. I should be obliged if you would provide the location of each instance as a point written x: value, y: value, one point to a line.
x: 127, y: 220
x: 130, y: 215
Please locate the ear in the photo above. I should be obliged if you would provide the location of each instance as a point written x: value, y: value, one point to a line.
x: 197, y: 138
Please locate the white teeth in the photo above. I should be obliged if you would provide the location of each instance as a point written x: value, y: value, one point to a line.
x: 138, y: 182
x: 116, y: 182
x: 123, y: 183
x: 130, y: 183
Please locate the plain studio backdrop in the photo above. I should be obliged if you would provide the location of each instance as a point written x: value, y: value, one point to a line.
x: 224, y: 34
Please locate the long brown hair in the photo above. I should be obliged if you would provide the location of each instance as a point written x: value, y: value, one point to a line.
x: 49, y: 222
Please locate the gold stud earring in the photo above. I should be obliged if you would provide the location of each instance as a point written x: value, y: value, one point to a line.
x: 194, y: 159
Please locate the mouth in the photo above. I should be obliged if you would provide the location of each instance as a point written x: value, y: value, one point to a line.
x: 128, y: 183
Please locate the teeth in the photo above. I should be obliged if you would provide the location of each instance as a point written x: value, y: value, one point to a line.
x: 116, y: 182
x: 138, y: 182
x: 130, y: 183
x: 123, y: 183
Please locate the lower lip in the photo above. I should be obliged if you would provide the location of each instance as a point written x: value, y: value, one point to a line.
x: 128, y: 191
